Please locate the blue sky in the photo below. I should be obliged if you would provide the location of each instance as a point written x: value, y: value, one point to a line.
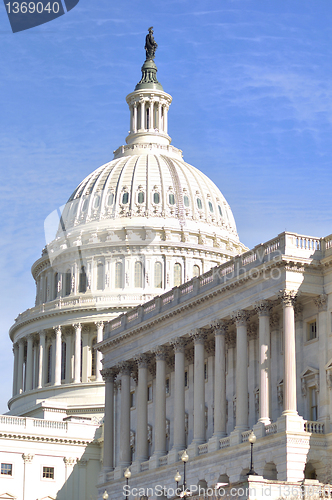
x: 251, y: 82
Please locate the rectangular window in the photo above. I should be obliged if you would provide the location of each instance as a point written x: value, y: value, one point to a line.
x: 149, y: 392
x: 313, y: 404
x: 312, y: 330
x: 167, y: 387
x: 6, y: 469
x: 186, y: 381
x: 132, y: 399
x: 205, y: 371
x: 48, y: 472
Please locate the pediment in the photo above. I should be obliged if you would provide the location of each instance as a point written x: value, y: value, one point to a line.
x: 7, y: 496
x: 309, y: 371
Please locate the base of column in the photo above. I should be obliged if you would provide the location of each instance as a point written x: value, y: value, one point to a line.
x: 259, y: 429
x: 213, y: 443
x: 290, y: 421
x: 173, y: 455
x: 119, y: 471
x: 192, y: 449
x: 235, y: 437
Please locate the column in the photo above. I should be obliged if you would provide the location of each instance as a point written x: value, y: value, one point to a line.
x: 165, y: 118
x: 241, y: 371
x: 57, y: 367
x: 159, y: 117
x: 68, y: 358
x: 179, y: 406
x: 108, y: 460
x: 77, y: 353
x: 142, y: 409
x: 135, y: 118
x: 29, y: 365
x: 100, y: 331
x: 198, y: 336
x: 323, y: 340
x: 42, y: 359
x: 160, y: 402
x: 125, y: 459
x: 220, y: 329
x: 142, y: 124
x: 263, y: 310
x: 85, y: 354
x: 19, y: 389
x: 151, y: 115
x: 288, y: 300
x: 35, y: 363
x: 15, y: 368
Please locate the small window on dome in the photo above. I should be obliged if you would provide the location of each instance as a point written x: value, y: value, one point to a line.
x: 110, y: 199
x: 125, y: 198
x: 171, y: 199
x: 85, y: 204
x: 199, y: 204
x: 220, y: 211
x: 156, y: 198
x: 186, y: 201
x: 210, y: 206
x: 140, y: 197
x: 96, y: 201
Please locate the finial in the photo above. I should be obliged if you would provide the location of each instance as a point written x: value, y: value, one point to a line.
x: 149, y: 69
x: 150, y: 45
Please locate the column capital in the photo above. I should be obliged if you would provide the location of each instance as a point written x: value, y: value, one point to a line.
x: 99, y: 324
x: 109, y: 374
x: 219, y: 327
x: 198, y: 335
x: 160, y: 352
x: 15, y: 346
x: 77, y: 326
x: 27, y: 458
x: 69, y: 460
x: 240, y: 317
x: 321, y: 302
x: 124, y: 367
x: 30, y: 337
x: 57, y: 329
x: 263, y: 307
x: 179, y: 344
x: 21, y: 341
x: 288, y: 297
x: 41, y: 333
x: 142, y: 360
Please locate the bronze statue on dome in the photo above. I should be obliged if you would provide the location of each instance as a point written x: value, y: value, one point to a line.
x: 150, y: 45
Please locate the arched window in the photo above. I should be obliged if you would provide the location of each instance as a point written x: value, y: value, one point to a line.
x: 56, y: 280
x: 96, y: 201
x: 85, y: 204
x: 93, y: 357
x: 171, y: 199
x: 196, y: 271
x: 49, y: 364
x: 63, y: 360
x: 158, y: 280
x: 210, y: 206
x: 156, y: 198
x: 177, y: 274
x: 82, y: 281
x: 138, y: 281
x: 199, y: 204
x: 186, y: 201
x: 67, y: 282
x: 110, y: 199
x: 125, y: 198
x: 140, y: 197
x: 118, y: 275
x: 100, y: 276
x: 220, y: 211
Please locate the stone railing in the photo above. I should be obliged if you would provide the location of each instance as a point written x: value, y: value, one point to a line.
x: 224, y: 442
x: 314, y: 427
x: 288, y: 244
x: 271, y: 428
x: 42, y: 427
x: 202, y: 448
x: 245, y: 436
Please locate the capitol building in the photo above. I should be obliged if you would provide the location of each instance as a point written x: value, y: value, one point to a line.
x: 155, y: 330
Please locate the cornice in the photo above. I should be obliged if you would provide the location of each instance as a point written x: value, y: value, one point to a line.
x: 19, y: 436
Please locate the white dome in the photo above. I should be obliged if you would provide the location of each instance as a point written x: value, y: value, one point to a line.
x: 151, y: 190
